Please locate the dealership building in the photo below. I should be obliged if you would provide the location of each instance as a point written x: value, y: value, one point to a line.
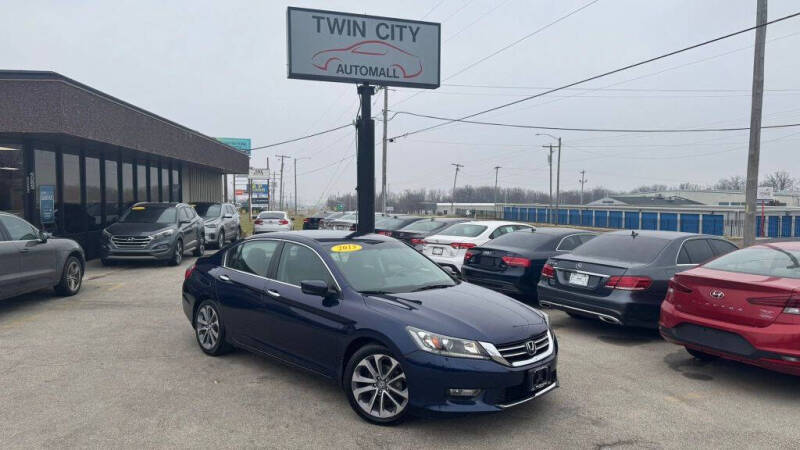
x: 73, y: 158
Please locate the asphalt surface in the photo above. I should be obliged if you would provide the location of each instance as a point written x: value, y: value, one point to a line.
x: 118, y: 366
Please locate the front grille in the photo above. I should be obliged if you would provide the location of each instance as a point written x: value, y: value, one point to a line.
x: 130, y: 242
x: 518, y: 351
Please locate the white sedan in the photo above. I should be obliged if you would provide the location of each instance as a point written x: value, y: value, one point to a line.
x: 269, y: 221
x: 451, y: 244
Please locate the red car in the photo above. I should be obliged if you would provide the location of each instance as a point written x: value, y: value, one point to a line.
x: 743, y: 306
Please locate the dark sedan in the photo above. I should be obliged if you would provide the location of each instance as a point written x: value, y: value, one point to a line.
x: 382, y: 320
x: 387, y: 225
x: 512, y: 263
x: 31, y: 259
x: 313, y: 222
x: 414, y: 233
x: 621, y: 277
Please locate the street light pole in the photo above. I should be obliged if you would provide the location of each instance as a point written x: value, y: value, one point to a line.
x: 582, y: 181
x: 453, y: 197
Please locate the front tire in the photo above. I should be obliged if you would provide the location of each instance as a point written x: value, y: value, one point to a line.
x: 376, y: 386
x: 209, y: 329
x: 71, y: 277
x: 221, y: 239
x: 177, y: 254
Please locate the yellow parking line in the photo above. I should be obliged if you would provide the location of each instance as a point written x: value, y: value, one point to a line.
x: 116, y: 286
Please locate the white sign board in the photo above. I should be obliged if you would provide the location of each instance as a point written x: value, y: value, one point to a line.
x: 256, y: 172
x: 765, y: 193
x: 354, y: 48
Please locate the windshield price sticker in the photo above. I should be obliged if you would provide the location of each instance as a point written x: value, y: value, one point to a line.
x: 344, y: 248
x: 138, y: 208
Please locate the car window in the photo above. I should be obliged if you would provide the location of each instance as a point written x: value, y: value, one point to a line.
x: 698, y: 251
x: 299, y: 263
x: 526, y: 240
x: 586, y: 237
x: 252, y: 257
x: 569, y: 243
x: 767, y: 260
x: 464, y: 230
x: 18, y: 229
x: 423, y: 226
x: 183, y: 214
x: 501, y: 231
x: 683, y: 257
x: 520, y: 228
x: 721, y: 247
x: 277, y: 215
x: 208, y: 210
x: 623, y: 247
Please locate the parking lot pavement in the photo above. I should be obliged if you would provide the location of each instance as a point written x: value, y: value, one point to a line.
x: 117, y: 366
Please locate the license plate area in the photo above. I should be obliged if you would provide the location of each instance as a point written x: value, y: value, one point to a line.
x: 578, y: 279
x: 437, y: 251
x: 539, y: 378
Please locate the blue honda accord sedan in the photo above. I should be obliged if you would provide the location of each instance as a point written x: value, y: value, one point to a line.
x: 396, y: 331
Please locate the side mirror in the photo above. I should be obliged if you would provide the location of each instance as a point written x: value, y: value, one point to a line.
x: 315, y: 287
x: 44, y: 236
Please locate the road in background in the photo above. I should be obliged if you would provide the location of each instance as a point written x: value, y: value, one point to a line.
x: 118, y: 366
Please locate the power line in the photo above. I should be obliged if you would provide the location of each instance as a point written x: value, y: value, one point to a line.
x: 319, y: 133
x: 597, y: 130
x: 605, y: 74
x: 517, y: 87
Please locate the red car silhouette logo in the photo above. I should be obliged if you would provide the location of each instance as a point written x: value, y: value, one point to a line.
x: 374, y: 53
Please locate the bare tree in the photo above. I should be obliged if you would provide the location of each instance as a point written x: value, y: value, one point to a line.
x: 732, y: 183
x: 780, y: 180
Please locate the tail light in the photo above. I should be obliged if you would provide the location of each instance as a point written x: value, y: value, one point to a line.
x: 514, y: 261
x: 258, y: 222
x: 460, y: 245
x: 283, y: 222
x: 416, y: 241
x: 789, y: 303
x: 548, y: 271
x: 306, y: 220
x: 188, y: 273
x: 674, y: 286
x: 629, y: 283
x: 385, y: 233
x: 468, y: 256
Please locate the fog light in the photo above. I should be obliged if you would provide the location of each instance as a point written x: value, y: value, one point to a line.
x: 790, y: 359
x: 460, y: 392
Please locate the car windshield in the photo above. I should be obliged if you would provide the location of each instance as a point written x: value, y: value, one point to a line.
x: 271, y: 215
x: 623, y: 247
x: 348, y: 217
x: 464, y: 230
x: 767, y: 260
x: 373, y: 266
x: 150, y: 214
x: 424, y: 226
x: 208, y: 210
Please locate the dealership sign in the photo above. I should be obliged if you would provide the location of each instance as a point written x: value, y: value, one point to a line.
x: 353, y: 48
x: 241, y: 144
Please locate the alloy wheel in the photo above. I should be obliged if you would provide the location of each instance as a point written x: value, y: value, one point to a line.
x: 74, y: 275
x: 379, y: 386
x: 207, y: 326
x: 221, y: 240
x: 178, y: 252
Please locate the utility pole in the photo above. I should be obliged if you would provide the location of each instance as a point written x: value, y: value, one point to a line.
x: 282, y: 157
x: 582, y: 181
x: 274, y: 181
x: 295, y: 181
x: 558, y: 171
x: 453, y: 197
x: 753, y: 152
x: 550, y: 163
x: 496, y: 172
x: 384, y: 190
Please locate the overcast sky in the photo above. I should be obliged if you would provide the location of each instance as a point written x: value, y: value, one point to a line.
x: 220, y: 68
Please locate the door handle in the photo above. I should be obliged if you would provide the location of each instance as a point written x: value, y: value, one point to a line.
x: 24, y: 250
x: 224, y: 278
x: 273, y: 293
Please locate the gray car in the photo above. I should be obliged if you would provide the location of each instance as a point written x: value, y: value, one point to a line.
x: 31, y: 260
x: 221, y: 222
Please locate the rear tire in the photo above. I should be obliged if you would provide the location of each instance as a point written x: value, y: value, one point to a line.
x: 71, y: 277
x: 702, y: 356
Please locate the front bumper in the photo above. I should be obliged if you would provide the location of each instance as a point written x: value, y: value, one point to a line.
x: 430, y: 376
x: 774, y: 347
x: 618, y: 308
x: 154, y: 251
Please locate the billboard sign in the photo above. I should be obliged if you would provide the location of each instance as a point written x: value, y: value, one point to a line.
x: 354, y: 48
x: 259, y: 189
x: 241, y: 144
x: 765, y: 193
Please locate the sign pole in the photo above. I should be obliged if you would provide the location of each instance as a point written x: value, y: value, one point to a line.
x: 365, y: 161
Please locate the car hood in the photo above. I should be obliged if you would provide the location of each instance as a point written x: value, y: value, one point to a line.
x: 212, y: 220
x: 463, y: 311
x: 136, y: 229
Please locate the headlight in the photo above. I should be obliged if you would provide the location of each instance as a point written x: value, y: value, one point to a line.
x: 163, y: 234
x: 446, y: 345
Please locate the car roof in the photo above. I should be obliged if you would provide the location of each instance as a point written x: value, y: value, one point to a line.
x: 786, y: 245
x: 163, y: 204
x: 491, y: 223
x: 320, y: 236
x: 668, y: 235
x: 559, y: 231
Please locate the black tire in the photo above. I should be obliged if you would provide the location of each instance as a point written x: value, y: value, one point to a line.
x: 200, y: 248
x: 221, y: 239
x: 177, y: 254
x: 71, y: 277
x: 204, y: 329
x: 358, y: 357
x: 702, y: 356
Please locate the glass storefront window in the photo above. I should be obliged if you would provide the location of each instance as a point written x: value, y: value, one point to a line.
x: 75, y: 218
x: 127, y: 185
x: 176, y: 187
x: 44, y: 162
x: 164, y: 184
x: 12, y: 179
x: 141, y: 180
x: 153, y: 182
x: 93, y: 194
x: 112, y: 206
